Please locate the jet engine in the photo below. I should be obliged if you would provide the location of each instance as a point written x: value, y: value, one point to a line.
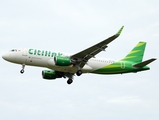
x: 62, y: 61
x: 50, y: 74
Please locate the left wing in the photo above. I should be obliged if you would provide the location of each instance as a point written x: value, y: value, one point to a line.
x: 82, y: 57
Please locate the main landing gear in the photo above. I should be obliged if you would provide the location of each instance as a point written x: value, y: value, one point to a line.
x: 69, y: 81
x: 79, y: 72
x: 22, y: 70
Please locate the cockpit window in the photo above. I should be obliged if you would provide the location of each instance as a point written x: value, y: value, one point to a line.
x: 13, y: 50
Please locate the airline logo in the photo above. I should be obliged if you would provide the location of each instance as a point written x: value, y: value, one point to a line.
x: 43, y: 53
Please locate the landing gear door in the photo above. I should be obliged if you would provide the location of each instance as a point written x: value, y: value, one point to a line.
x: 24, y: 52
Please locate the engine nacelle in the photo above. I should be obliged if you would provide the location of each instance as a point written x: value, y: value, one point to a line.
x: 50, y: 74
x: 62, y: 61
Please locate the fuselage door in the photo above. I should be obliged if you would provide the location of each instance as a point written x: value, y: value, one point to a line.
x: 24, y: 55
x: 24, y: 52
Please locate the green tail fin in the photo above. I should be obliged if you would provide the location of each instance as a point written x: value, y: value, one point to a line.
x: 137, y: 53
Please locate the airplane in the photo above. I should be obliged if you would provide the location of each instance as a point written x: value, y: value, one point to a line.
x: 61, y: 65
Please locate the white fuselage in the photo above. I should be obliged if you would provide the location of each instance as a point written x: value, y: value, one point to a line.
x: 22, y: 56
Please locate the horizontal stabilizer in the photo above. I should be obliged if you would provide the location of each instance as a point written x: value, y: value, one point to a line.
x: 144, y: 63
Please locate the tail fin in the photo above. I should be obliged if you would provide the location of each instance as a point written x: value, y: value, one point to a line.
x: 137, y: 53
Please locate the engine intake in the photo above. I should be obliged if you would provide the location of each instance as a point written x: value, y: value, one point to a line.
x: 62, y: 61
x: 50, y: 74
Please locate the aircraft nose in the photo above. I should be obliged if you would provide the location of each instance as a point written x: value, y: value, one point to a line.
x: 5, y: 56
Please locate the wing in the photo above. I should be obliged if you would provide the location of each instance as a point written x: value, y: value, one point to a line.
x: 82, y: 57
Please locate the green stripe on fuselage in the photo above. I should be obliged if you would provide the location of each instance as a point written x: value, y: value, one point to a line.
x: 119, y: 68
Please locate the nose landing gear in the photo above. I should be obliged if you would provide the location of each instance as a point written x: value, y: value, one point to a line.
x: 22, y: 70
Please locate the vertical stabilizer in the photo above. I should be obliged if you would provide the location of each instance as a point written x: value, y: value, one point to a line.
x: 137, y: 53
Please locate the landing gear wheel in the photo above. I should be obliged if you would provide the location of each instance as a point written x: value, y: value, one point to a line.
x: 69, y: 81
x: 79, y: 72
x: 22, y: 71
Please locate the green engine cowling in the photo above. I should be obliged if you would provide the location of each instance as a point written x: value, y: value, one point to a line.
x: 62, y: 61
x: 50, y: 74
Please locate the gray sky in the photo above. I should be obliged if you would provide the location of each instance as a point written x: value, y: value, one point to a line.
x: 71, y: 26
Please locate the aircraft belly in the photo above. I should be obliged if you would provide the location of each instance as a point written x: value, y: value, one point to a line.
x: 87, y: 69
x: 63, y: 69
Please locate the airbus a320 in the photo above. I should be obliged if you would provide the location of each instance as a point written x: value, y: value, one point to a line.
x: 61, y: 65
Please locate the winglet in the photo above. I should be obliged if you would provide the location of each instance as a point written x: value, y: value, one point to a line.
x: 119, y: 32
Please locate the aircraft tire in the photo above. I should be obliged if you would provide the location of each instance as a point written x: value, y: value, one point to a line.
x: 79, y: 72
x: 69, y: 81
x: 22, y: 71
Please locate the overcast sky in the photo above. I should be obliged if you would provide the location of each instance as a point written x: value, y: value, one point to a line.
x: 71, y: 26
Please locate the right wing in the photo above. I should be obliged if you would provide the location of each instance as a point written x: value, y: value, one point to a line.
x: 82, y: 57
